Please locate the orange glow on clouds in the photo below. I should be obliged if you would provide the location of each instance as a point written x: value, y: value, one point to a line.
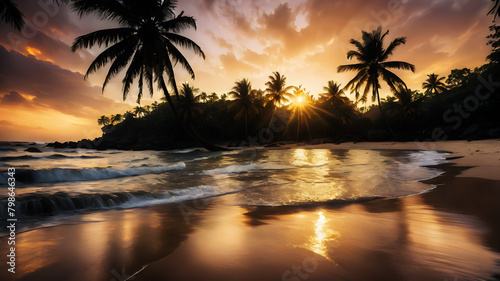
x: 37, y: 54
x: 33, y: 51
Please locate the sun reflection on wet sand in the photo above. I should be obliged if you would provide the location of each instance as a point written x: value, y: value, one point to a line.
x: 319, y: 242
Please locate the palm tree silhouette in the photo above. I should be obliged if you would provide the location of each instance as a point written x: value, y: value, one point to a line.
x: 10, y: 14
x: 116, y: 119
x: 408, y: 102
x: 146, y: 44
x: 434, y: 85
x: 373, y: 65
x: 188, y: 104
x: 243, y: 102
x: 140, y: 111
x: 103, y: 121
x: 342, y: 109
x: 203, y: 97
x: 334, y: 95
x: 278, y: 93
x: 154, y: 106
x: 213, y: 97
x: 128, y: 115
x: 300, y: 107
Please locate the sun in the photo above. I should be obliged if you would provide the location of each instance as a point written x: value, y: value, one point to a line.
x: 300, y: 99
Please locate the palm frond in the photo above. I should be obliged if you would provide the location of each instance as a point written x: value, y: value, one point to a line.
x: 102, y: 37
x: 179, y: 23
x: 132, y: 72
x: 393, y: 45
x: 185, y: 43
x: 105, y: 9
x: 398, y: 65
x: 10, y: 14
x: 352, y: 67
x: 119, y: 63
x: 110, y: 54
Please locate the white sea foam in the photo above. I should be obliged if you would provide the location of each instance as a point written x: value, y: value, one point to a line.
x: 86, y: 174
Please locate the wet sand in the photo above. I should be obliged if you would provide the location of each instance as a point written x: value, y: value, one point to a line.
x: 449, y: 233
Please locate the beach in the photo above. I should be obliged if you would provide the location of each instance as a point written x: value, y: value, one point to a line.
x: 449, y: 232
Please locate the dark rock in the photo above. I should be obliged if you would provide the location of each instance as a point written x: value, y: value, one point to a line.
x: 33, y: 149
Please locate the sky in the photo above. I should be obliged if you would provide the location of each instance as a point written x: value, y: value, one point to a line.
x: 44, y: 96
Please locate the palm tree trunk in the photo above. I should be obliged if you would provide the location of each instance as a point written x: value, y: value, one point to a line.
x: 384, y: 117
x: 189, y: 129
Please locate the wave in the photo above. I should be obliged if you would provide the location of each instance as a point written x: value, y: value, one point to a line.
x: 53, y: 204
x: 231, y: 169
x: 85, y: 174
x: 245, y: 168
x: 428, y: 158
x: 52, y: 156
x: 12, y: 158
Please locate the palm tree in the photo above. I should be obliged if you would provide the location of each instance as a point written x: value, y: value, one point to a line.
x: 373, y: 65
x: 188, y: 104
x: 334, y: 95
x: 434, y: 84
x: 146, y: 44
x: 223, y: 97
x: 341, y: 108
x: 278, y: 93
x: 140, y: 111
x: 10, y: 14
x: 103, y: 121
x: 213, y: 97
x: 116, y: 119
x: 243, y: 102
x: 203, y: 97
x: 154, y: 106
x: 407, y: 103
x: 300, y: 107
x: 128, y: 115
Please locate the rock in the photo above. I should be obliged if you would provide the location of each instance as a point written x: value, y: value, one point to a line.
x: 33, y: 149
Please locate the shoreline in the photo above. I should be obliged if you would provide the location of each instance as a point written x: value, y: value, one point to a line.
x: 450, y: 232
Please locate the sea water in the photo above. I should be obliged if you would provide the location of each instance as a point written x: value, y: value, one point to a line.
x: 58, y: 183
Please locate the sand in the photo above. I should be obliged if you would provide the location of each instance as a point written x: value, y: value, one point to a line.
x: 449, y: 233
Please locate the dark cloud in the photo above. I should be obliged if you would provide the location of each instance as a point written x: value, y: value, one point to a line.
x: 50, y: 86
x: 14, y: 98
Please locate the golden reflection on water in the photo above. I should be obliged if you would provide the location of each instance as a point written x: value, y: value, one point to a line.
x: 314, y: 157
x: 323, y: 237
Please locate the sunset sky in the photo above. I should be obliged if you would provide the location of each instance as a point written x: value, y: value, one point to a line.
x: 44, y: 97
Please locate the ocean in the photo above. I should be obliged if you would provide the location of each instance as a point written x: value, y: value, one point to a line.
x: 55, y: 184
